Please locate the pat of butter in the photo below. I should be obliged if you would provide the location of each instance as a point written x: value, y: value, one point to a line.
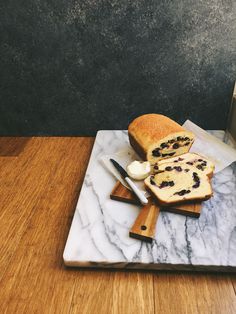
x: 139, y: 170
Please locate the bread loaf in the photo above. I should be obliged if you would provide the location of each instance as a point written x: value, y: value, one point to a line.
x: 155, y: 137
x: 175, y: 184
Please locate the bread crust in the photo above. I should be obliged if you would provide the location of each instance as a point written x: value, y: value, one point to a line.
x: 139, y: 150
x: 151, y: 128
x: 149, y: 131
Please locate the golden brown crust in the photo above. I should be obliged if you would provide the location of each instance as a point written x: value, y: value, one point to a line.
x: 138, y: 149
x: 150, y: 128
x: 210, y: 175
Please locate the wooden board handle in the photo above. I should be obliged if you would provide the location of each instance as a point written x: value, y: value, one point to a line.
x: 145, y: 224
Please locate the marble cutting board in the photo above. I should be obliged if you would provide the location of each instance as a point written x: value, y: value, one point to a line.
x: 99, y: 234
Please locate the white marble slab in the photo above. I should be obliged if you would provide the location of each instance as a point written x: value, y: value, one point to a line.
x: 99, y: 234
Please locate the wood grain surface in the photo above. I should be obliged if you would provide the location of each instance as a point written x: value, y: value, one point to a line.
x: 144, y: 227
x: 122, y: 194
x: 192, y: 209
x: 40, y: 185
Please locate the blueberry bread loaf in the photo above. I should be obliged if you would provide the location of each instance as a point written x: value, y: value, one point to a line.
x: 155, y: 137
x: 189, y: 159
x: 176, y: 184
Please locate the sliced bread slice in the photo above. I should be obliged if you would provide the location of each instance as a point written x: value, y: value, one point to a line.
x: 180, y: 184
x: 192, y: 159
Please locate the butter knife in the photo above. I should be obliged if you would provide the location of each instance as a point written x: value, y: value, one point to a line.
x: 134, y: 188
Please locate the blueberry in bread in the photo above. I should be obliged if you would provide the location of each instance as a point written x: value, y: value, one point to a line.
x: 192, y: 159
x: 180, y: 183
x: 155, y: 137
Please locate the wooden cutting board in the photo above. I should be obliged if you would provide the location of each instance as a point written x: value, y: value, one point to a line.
x: 144, y: 226
x: 122, y: 194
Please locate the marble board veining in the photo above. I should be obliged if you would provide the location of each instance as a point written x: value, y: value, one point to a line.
x: 99, y: 234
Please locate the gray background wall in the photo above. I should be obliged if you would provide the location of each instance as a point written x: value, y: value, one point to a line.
x: 73, y: 67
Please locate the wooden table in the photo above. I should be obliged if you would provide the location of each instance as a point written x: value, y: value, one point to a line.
x: 40, y: 183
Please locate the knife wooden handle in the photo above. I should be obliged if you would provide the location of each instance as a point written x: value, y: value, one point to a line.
x: 145, y: 224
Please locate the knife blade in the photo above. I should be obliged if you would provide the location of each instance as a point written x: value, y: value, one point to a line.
x: 134, y: 188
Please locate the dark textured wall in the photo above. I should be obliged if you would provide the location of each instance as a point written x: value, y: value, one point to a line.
x: 73, y: 67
